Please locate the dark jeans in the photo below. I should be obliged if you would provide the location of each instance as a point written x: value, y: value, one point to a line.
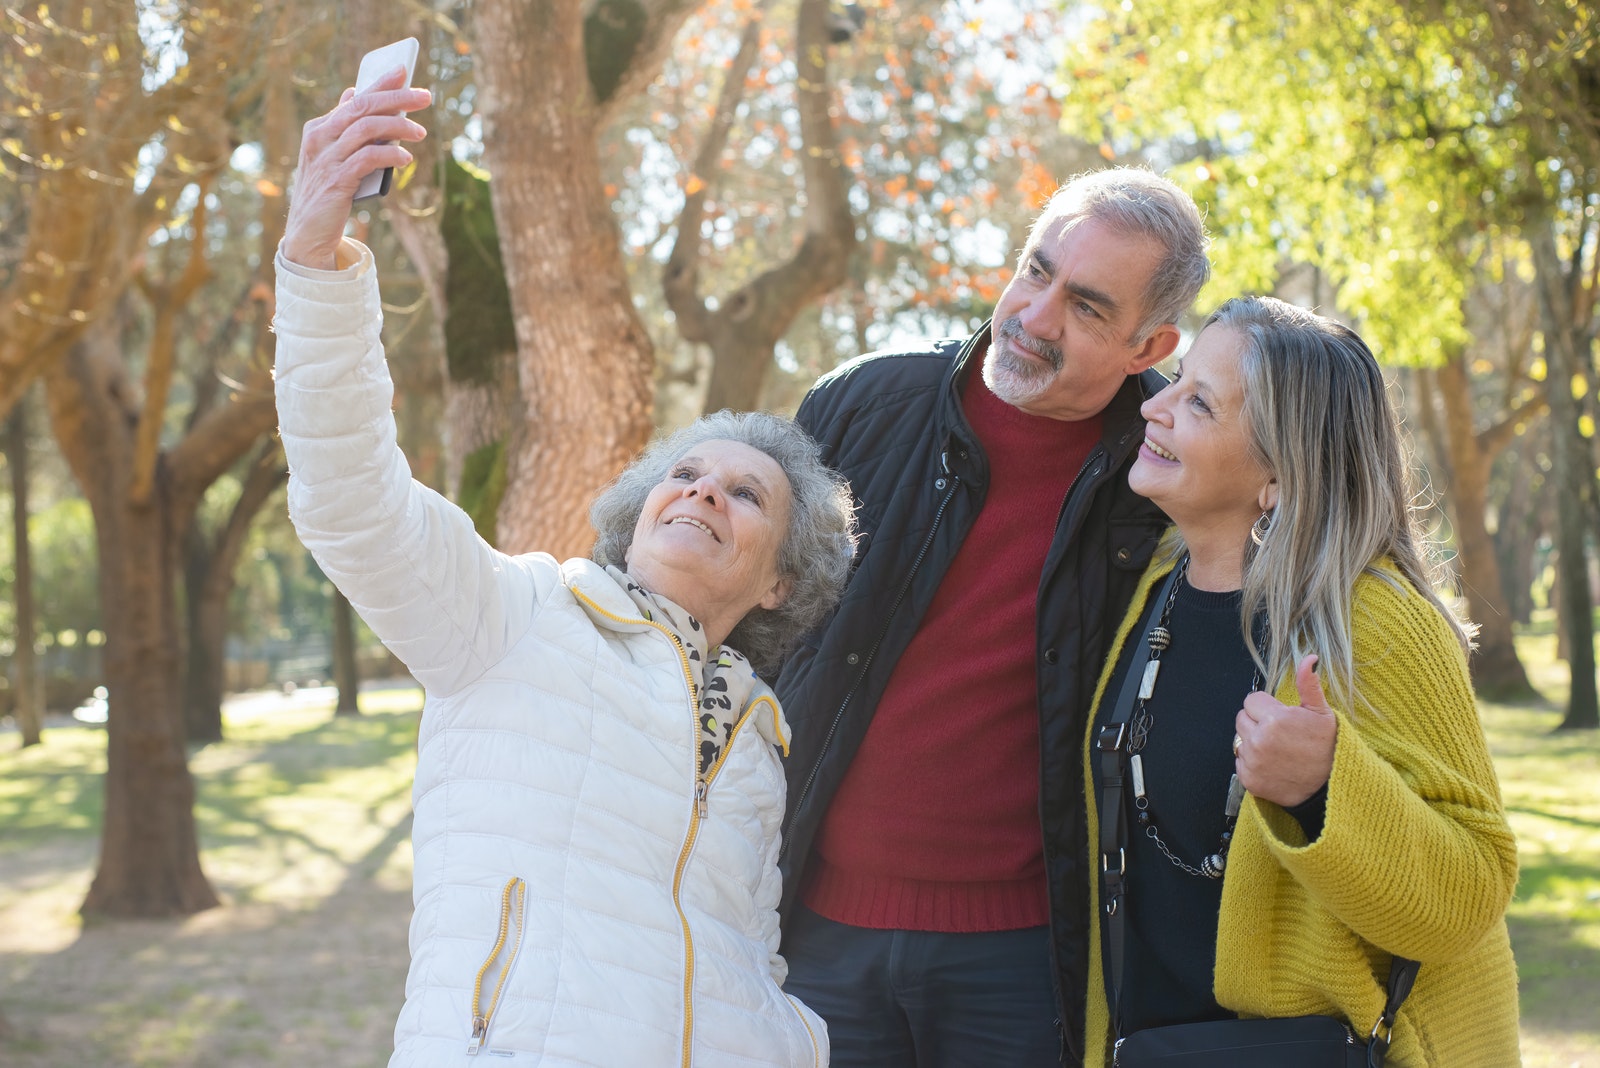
x: 925, y: 999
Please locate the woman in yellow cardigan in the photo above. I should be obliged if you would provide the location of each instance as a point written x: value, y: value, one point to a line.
x: 1369, y: 825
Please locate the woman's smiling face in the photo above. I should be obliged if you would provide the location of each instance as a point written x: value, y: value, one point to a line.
x: 709, y: 534
x: 1196, y: 462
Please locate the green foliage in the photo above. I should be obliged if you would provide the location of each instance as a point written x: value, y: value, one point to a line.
x: 478, y: 328
x: 483, y: 484
x: 65, y: 575
x: 1348, y: 136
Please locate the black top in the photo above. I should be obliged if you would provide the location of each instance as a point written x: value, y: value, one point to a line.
x: 1170, y: 945
x: 1170, y: 948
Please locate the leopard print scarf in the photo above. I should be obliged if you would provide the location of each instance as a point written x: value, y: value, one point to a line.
x: 722, y: 677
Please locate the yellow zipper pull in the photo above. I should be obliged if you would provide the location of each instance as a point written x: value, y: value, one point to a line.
x: 700, y: 796
x: 512, y: 899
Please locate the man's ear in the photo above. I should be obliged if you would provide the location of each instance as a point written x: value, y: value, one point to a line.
x: 1269, y: 496
x: 778, y: 594
x: 1157, y: 347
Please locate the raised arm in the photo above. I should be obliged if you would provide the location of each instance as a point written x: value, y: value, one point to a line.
x: 410, y: 562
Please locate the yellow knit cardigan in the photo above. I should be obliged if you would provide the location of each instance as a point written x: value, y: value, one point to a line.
x: 1415, y: 858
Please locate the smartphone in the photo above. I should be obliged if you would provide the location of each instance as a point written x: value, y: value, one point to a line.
x: 374, y: 65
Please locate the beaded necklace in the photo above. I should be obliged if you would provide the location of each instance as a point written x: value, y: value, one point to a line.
x: 1139, y: 724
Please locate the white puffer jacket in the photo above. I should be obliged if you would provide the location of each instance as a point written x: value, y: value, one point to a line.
x: 575, y: 903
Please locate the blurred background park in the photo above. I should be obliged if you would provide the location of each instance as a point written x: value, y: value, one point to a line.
x: 629, y: 212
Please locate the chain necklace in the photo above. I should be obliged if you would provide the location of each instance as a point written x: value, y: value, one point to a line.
x: 1139, y: 724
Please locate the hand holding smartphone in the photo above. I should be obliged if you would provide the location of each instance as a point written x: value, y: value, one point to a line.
x: 374, y: 65
x: 337, y: 149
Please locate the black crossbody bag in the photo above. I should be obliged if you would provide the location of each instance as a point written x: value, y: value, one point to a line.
x: 1301, y: 1041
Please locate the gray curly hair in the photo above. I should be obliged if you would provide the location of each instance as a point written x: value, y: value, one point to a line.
x: 816, y: 550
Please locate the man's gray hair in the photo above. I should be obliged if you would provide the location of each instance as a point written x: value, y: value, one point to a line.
x: 1137, y: 202
x: 816, y: 551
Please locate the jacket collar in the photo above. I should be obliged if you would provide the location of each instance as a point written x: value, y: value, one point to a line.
x: 614, y: 601
x: 723, y: 681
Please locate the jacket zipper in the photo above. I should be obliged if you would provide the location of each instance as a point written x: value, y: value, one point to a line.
x: 1097, y: 458
x: 513, y: 906
x: 683, y: 917
x: 702, y: 785
x: 1095, y: 461
x: 816, y: 1053
x: 866, y: 663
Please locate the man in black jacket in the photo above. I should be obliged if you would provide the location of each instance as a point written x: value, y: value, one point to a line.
x: 935, y: 853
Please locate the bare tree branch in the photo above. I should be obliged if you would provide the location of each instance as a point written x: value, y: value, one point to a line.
x: 681, y: 277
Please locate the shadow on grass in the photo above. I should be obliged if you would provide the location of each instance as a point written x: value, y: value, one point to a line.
x: 246, y: 986
x: 1556, y: 973
x: 231, y: 802
x: 49, y: 790
x: 265, y: 987
x: 54, y: 796
x: 1547, y: 814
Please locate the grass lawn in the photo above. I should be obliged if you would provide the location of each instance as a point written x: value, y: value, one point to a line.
x: 1551, y: 785
x: 305, y: 824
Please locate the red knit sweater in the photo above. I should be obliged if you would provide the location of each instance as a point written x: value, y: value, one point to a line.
x: 936, y: 825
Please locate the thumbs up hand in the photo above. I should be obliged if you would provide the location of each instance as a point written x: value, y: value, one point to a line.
x: 1284, y: 753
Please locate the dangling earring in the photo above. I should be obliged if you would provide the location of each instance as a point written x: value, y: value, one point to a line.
x: 1261, y: 528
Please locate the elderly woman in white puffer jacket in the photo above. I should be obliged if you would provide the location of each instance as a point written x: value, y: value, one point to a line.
x: 599, y: 793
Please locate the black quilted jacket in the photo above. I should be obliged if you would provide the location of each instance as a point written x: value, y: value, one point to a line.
x: 892, y: 423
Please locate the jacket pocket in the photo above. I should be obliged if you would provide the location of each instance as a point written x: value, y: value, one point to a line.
x: 496, y: 969
x: 816, y: 1029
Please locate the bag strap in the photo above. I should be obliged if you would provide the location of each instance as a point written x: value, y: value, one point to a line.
x: 1111, y: 744
x: 1402, y: 975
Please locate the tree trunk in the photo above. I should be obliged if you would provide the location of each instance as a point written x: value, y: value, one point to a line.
x: 584, y: 358
x: 206, y: 621
x: 345, y: 675
x: 746, y: 326
x: 209, y: 562
x: 209, y: 580
x: 27, y: 703
x: 1496, y: 671
x: 149, y: 850
x: 1514, y: 542
x: 84, y: 232
x: 1565, y: 347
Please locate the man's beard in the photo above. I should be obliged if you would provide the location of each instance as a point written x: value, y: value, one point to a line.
x: 1015, y: 379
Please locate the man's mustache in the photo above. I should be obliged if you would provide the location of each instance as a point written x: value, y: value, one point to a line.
x: 1011, y: 329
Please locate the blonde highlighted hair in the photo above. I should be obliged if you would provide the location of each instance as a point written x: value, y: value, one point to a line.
x: 1319, y: 419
